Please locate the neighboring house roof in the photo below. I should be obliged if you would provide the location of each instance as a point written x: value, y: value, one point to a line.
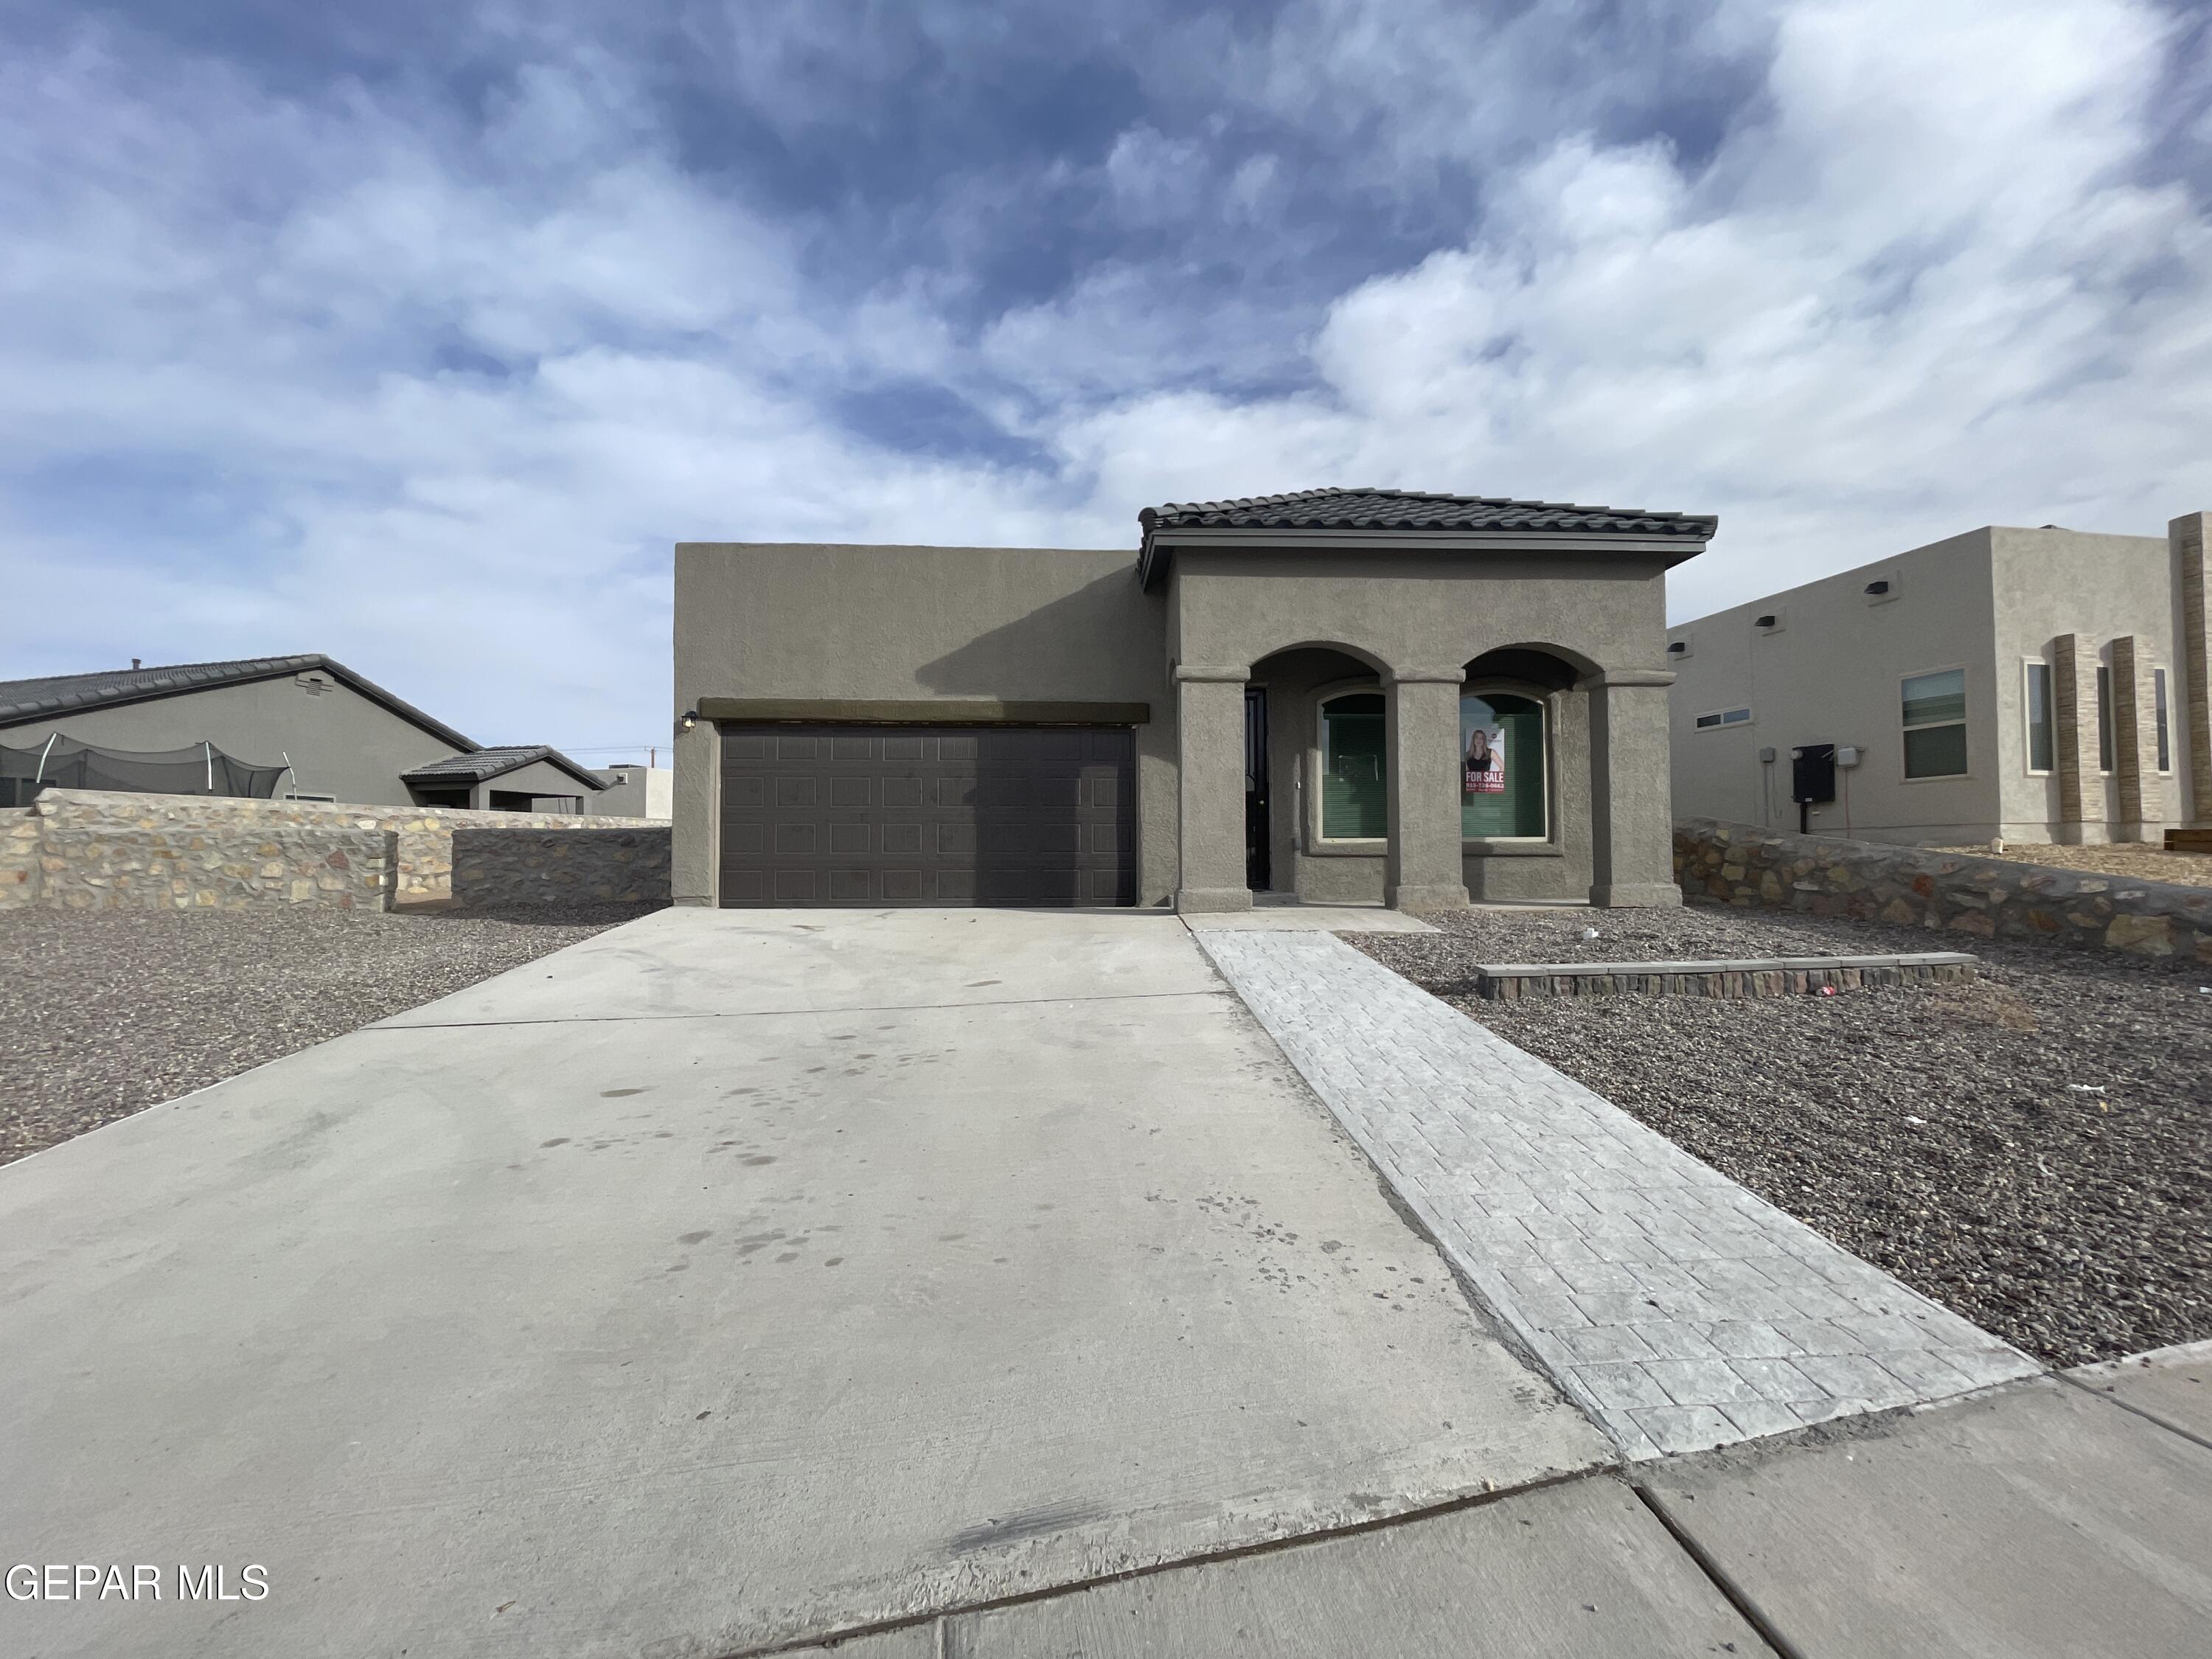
x: 22, y: 702
x: 482, y: 765
x: 1352, y: 511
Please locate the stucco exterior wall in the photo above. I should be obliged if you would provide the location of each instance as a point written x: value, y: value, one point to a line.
x: 647, y: 792
x: 341, y: 744
x: 1832, y: 673
x: 2053, y: 582
x: 1432, y: 612
x: 541, y: 780
x: 919, y: 623
x: 1417, y: 611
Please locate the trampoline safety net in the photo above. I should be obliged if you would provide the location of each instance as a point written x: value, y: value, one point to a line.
x: 64, y: 763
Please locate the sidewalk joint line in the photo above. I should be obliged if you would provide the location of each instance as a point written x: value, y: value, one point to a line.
x: 1720, y: 1578
x: 2170, y: 1426
x: 1474, y: 1500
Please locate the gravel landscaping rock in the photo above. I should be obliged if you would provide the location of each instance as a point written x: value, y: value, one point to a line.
x: 2033, y: 1150
x: 2139, y: 861
x: 103, y: 1013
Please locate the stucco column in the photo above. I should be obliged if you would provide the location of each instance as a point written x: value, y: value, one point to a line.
x: 1210, y: 765
x: 2188, y: 537
x: 696, y: 831
x: 1632, y: 812
x: 1421, y: 869
x: 2081, y: 777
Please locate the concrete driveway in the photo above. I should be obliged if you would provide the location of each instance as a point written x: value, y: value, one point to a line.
x: 728, y: 1280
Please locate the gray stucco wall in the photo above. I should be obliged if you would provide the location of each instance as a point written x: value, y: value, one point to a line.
x: 1832, y: 674
x: 1415, y: 611
x: 1017, y: 624
x: 540, y: 781
x: 341, y: 744
x: 2050, y: 582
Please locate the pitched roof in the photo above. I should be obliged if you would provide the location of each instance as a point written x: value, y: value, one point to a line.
x: 24, y: 700
x: 1414, y: 509
x: 480, y: 765
x: 1369, y: 510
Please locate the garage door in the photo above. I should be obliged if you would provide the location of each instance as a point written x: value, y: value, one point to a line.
x: 928, y: 815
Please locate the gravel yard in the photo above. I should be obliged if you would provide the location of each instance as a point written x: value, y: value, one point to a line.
x: 2137, y: 861
x: 2033, y: 1150
x: 102, y: 1013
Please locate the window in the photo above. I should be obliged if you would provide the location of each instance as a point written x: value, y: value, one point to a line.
x: 2104, y: 719
x: 1354, y: 792
x: 1935, y: 725
x: 1721, y: 717
x: 2158, y: 710
x: 1504, y: 773
x: 2039, y: 717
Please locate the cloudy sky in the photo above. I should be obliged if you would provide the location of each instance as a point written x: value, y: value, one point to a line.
x: 416, y: 332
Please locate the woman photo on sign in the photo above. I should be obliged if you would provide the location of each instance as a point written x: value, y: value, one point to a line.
x: 1485, y: 762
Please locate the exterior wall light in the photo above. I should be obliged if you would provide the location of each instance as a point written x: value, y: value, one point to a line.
x: 688, y: 718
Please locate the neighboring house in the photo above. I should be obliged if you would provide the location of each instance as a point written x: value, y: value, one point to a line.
x: 304, y: 727
x: 1280, y: 695
x: 2032, y: 685
x: 529, y: 778
x: 636, y: 792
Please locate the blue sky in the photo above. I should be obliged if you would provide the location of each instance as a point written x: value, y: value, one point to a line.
x: 416, y: 333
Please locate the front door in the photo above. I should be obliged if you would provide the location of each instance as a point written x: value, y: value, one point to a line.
x: 1256, y: 868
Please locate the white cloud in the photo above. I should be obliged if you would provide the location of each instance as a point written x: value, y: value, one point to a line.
x: 1916, y: 286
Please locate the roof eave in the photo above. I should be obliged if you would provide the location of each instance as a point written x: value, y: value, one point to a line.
x: 1155, y: 558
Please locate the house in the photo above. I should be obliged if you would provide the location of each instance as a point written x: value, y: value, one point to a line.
x: 1332, y: 696
x: 636, y: 791
x: 525, y: 778
x: 2031, y: 685
x: 303, y: 728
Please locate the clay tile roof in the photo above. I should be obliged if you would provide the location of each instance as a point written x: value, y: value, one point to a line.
x: 1412, y: 509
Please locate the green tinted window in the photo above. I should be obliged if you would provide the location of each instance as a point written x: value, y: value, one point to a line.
x: 1503, y: 768
x: 1354, y: 799
x: 2038, y: 717
x: 1935, y: 751
x: 1934, y: 725
x: 1931, y: 697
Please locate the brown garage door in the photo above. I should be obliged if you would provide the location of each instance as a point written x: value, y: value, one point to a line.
x: 928, y: 815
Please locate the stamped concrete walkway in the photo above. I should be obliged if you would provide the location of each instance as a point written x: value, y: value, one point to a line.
x: 1681, y: 1310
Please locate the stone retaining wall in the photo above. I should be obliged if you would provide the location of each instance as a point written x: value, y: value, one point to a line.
x: 228, y: 868
x: 493, y: 869
x: 424, y: 874
x: 1957, y: 893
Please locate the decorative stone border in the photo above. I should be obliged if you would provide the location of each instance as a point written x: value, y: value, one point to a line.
x: 1756, y: 976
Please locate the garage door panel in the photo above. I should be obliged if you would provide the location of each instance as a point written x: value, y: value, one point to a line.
x: 998, y: 815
